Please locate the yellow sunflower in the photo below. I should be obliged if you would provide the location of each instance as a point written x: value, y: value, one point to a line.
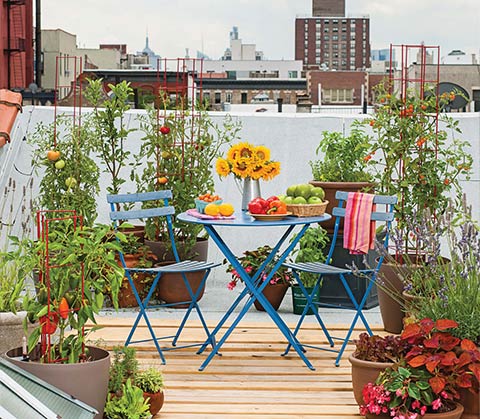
x: 222, y: 167
x: 258, y: 172
x: 240, y: 169
x: 263, y: 153
x: 240, y: 151
x: 272, y: 170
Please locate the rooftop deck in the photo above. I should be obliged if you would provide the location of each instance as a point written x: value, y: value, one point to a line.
x: 250, y: 379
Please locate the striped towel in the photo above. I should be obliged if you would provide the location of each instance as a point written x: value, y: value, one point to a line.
x: 359, y: 230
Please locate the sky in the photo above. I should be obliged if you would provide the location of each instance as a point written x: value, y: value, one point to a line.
x: 174, y: 25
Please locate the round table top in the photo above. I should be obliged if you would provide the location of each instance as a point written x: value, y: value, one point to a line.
x: 244, y: 219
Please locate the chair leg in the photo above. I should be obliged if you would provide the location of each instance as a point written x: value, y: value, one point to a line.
x: 358, y: 314
x: 143, y: 313
x: 309, y: 305
x: 194, y: 305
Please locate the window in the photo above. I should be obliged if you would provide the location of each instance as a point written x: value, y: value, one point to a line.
x: 228, y: 97
x: 337, y: 95
x: 326, y: 38
x: 344, y: 37
x: 344, y: 29
x: 334, y: 37
x: 326, y: 54
x: 352, y: 36
x: 335, y: 21
x: 344, y: 21
x: 244, y: 98
x: 325, y: 30
x: 335, y: 63
x: 335, y: 29
x: 317, y: 60
x: 326, y: 21
x: 218, y: 97
x: 335, y: 46
x: 293, y: 74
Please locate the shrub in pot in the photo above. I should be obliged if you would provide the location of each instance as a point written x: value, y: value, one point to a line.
x: 311, y: 248
x: 151, y: 383
x: 130, y: 405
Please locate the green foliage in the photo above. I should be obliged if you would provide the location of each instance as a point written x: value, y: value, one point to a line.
x: 70, y: 251
x: 123, y: 367
x: 131, y: 405
x: 107, y: 127
x: 150, y: 381
x: 311, y: 248
x: 345, y: 157
x: 414, y: 161
x: 75, y: 144
x: 185, y: 158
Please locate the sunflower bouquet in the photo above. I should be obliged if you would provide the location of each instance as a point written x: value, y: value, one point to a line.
x: 245, y: 160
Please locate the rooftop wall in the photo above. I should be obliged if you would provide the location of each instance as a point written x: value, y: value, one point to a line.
x: 292, y: 139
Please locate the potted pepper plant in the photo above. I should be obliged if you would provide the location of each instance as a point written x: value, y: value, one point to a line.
x: 77, y: 264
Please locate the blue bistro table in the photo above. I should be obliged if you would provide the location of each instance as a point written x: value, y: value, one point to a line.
x: 253, y: 283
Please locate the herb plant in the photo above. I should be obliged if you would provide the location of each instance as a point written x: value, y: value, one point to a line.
x: 130, y: 405
x: 150, y: 380
x: 344, y: 158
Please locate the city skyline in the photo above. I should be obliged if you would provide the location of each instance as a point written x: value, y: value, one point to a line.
x: 205, y: 26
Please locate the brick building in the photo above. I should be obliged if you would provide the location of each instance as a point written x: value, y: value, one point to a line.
x: 16, y: 44
x: 332, y: 42
x: 341, y: 87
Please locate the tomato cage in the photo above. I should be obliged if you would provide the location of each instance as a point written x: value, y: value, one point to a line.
x: 61, y: 282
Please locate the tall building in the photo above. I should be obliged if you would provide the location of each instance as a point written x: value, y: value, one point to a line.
x: 328, y: 8
x: 239, y: 51
x: 16, y: 44
x: 334, y: 42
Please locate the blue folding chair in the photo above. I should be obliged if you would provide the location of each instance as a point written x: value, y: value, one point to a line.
x: 335, y: 273
x: 182, y: 267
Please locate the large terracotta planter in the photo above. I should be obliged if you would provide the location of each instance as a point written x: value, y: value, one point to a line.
x: 126, y: 297
x: 364, y: 372
x: 453, y: 414
x: 331, y: 189
x: 86, y: 381
x: 199, y: 251
x: 274, y: 293
x: 156, y: 401
x: 471, y: 404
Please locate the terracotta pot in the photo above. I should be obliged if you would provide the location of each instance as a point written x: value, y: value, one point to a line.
x: 453, y: 414
x: 86, y: 381
x: 274, y: 293
x: 171, y: 287
x: 331, y: 189
x: 471, y: 404
x: 199, y: 251
x: 364, y: 372
x: 391, y: 308
x: 126, y: 298
x: 156, y: 401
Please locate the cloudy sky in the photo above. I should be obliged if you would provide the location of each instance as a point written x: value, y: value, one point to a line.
x: 174, y: 25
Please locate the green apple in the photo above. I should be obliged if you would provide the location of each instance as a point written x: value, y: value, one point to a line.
x: 314, y: 200
x: 60, y: 164
x: 291, y: 190
x: 303, y: 190
x: 289, y: 200
x: 299, y: 200
x: 281, y: 197
x: 318, y: 192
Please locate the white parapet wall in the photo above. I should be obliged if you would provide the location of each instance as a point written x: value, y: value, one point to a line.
x: 292, y: 139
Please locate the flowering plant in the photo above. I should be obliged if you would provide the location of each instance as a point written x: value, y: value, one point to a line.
x: 428, y: 378
x: 252, y: 260
x: 245, y: 160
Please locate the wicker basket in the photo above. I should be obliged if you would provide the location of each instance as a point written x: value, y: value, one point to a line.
x: 307, y: 210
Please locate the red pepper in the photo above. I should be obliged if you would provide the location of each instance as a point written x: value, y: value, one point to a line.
x: 272, y: 198
x: 63, y: 308
x: 49, y: 323
x: 164, y: 130
x: 277, y: 207
x: 255, y: 207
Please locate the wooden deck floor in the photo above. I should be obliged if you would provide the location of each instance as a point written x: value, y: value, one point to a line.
x: 250, y: 379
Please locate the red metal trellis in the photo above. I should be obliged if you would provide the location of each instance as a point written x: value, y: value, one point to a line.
x: 46, y: 219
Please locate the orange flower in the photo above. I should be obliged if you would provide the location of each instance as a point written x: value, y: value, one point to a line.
x: 421, y: 141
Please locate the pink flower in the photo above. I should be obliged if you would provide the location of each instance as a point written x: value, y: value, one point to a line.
x: 436, y: 404
x: 248, y: 269
x: 423, y: 410
x: 231, y: 285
